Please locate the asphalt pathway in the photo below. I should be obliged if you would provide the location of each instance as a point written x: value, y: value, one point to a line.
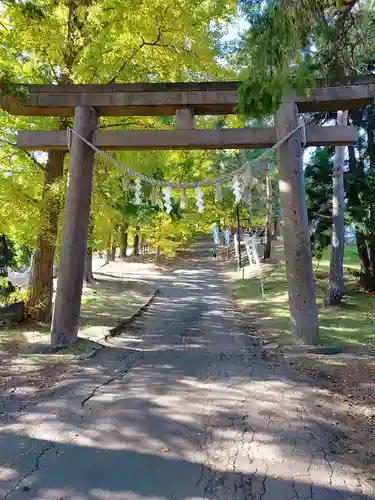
x: 180, y: 407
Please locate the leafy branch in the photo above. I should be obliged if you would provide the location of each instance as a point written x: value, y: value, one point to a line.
x: 26, y: 153
x: 16, y: 92
x: 144, y: 43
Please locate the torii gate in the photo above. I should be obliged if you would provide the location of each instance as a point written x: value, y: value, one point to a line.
x: 184, y: 100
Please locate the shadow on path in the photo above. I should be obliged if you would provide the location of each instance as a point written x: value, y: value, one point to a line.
x: 181, y: 407
x: 76, y: 472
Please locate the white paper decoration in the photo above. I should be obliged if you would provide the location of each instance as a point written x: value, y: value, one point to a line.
x: 236, y: 187
x: 167, y: 199
x: 138, y: 192
x: 199, y: 198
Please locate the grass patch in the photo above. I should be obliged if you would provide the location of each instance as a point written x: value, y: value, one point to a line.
x: 10, y: 339
x: 78, y: 347
x: 352, y: 324
x: 106, y: 302
x: 14, y: 338
x: 271, y: 315
x: 350, y: 259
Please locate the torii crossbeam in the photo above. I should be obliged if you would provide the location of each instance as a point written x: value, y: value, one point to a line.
x: 140, y: 140
x: 184, y: 100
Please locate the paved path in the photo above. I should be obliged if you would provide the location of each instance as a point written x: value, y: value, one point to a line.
x: 181, y: 408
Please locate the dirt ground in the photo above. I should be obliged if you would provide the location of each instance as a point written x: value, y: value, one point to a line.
x: 22, y: 380
x: 352, y: 384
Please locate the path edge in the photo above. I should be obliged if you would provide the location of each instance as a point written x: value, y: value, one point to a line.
x: 116, y: 330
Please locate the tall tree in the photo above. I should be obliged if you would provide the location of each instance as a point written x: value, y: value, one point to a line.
x: 336, y: 288
x: 124, y: 240
x: 106, y: 41
x: 359, y: 182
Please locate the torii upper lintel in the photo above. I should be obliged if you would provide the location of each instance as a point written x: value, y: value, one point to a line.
x: 164, y: 99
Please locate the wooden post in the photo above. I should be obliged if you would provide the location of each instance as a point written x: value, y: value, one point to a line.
x: 184, y: 119
x: 267, y: 247
x: 239, y: 263
x: 298, y: 258
x: 66, y: 313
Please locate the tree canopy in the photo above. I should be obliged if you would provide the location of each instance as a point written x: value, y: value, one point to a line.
x: 290, y: 44
x: 83, y: 41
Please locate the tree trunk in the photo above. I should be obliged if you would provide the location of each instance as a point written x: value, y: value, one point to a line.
x: 108, y: 251
x: 4, y: 257
x: 136, y: 245
x: 113, y: 250
x: 41, y: 280
x: 361, y: 239
x: 362, y: 251
x: 268, y: 228
x: 275, y: 209
x: 157, y: 253
x: 124, y: 240
x: 276, y: 229
x: 367, y: 260
x: 88, y: 275
x: 370, y: 136
x: 336, y: 289
x: 366, y: 256
x: 371, y: 152
x: 371, y: 251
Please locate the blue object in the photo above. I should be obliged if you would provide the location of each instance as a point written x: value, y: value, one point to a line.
x: 226, y: 237
x: 216, y: 234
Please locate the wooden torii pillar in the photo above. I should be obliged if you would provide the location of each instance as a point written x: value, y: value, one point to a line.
x: 295, y: 230
x: 213, y: 98
x: 66, y: 312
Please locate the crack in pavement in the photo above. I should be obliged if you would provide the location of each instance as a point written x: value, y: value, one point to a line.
x: 30, y: 472
x: 119, y: 375
x: 134, y: 358
x: 294, y: 488
x: 264, y: 487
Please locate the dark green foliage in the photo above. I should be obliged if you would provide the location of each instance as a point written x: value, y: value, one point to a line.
x: 292, y: 43
x: 359, y: 179
x: 275, y: 58
x: 19, y: 92
x: 34, y: 10
x: 5, y: 256
x: 318, y: 186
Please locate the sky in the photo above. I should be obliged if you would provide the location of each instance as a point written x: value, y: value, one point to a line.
x: 235, y: 29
